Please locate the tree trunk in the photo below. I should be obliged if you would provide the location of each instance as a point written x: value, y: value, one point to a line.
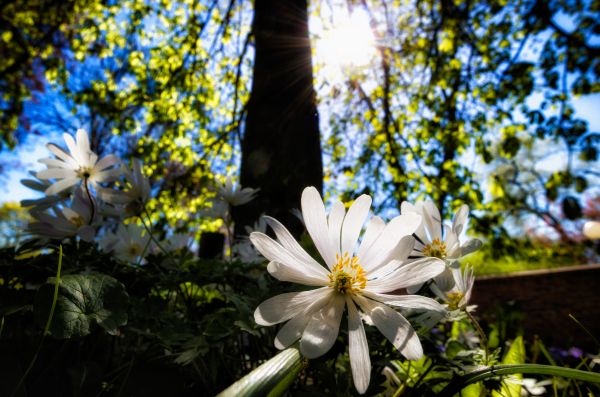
x: 281, y: 148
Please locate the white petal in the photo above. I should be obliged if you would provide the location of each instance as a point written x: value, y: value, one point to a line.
x: 322, y: 329
x: 374, y: 229
x: 292, y: 274
x: 74, y: 149
x: 407, y: 274
x: 400, y: 253
x: 33, y: 184
x: 445, y: 280
x: 106, y: 162
x: 282, y: 307
x: 83, y: 141
x: 293, y: 329
x: 55, y: 173
x: 55, y: 163
x: 470, y: 246
x: 61, y: 154
x: 353, y: 223
x: 335, y: 221
x: 275, y: 252
x: 360, y: 362
x: 407, y: 301
x: 61, y: 185
x: 313, y: 211
x: 460, y: 218
x: 393, y: 326
x: 432, y: 220
x: 379, y: 251
x: 105, y: 176
x: 289, y: 242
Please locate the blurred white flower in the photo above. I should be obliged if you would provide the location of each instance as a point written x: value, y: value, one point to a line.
x: 137, y: 191
x: 233, y: 194
x: 75, y: 220
x: 44, y: 202
x: 534, y: 387
x: 436, y: 239
x: 80, y: 164
x: 457, y: 297
x: 130, y: 243
x: 243, y: 248
x: 357, y: 276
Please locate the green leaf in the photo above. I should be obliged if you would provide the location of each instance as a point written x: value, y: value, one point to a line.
x: 84, y: 302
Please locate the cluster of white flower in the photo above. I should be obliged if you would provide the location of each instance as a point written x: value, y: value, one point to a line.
x: 412, y: 250
x: 81, y: 194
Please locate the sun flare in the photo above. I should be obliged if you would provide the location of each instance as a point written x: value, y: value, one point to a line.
x: 345, y: 44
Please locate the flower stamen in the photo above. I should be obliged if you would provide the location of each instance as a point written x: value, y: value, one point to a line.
x: 347, y: 276
x: 436, y: 249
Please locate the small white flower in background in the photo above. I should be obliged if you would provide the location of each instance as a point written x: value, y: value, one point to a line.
x: 137, y: 191
x: 75, y: 220
x: 534, y: 387
x: 358, y: 276
x: 79, y: 164
x: 436, y: 239
x: 45, y: 202
x: 130, y: 243
x: 234, y: 194
x: 243, y: 248
x: 458, y: 295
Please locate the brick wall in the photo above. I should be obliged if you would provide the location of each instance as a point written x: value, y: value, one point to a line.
x: 547, y: 297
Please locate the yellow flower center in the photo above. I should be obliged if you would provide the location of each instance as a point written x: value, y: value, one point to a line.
x: 134, y: 250
x: 78, y: 221
x: 436, y: 249
x: 347, y: 276
x: 84, y: 172
x: 454, y: 299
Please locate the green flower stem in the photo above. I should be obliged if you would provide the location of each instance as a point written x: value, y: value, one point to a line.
x: 482, y: 338
x: 460, y: 383
x: 271, y: 379
x: 89, y: 195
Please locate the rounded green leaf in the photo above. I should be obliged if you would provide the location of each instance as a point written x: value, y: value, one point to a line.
x: 84, y: 302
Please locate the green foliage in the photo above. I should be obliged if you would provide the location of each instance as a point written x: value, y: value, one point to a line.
x: 84, y: 302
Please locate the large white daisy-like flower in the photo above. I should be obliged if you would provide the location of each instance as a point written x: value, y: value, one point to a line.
x: 437, y: 239
x: 358, y: 277
x: 79, y: 164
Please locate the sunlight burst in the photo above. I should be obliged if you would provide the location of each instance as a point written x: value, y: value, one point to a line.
x: 344, y: 46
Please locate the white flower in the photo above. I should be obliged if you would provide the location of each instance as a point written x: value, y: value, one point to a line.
x: 233, y: 194
x: 130, y: 243
x: 458, y: 295
x: 357, y: 276
x: 138, y: 189
x: 591, y: 230
x: 80, y: 164
x: 75, y: 220
x: 243, y: 249
x: 436, y: 239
